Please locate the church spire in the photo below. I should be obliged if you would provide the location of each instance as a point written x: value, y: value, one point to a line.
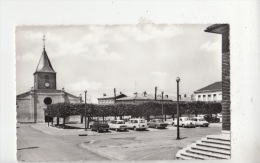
x: 44, y: 64
x: 43, y: 40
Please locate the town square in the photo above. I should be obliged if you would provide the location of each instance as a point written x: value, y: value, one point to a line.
x: 165, y: 123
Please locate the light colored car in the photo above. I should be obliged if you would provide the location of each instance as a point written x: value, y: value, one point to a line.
x: 199, y: 121
x: 137, y: 124
x: 184, y: 122
x: 117, y: 125
x: 169, y: 121
x: 157, y: 123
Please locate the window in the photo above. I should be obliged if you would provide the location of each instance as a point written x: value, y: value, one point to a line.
x: 209, y: 97
x: 199, y: 98
x: 204, y: 97
x: 214, y: 97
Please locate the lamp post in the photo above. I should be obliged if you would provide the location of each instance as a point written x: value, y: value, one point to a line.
x: 80, y: 100
x: 178, y: 130
x: 85, y: 110
x: 162, y: 105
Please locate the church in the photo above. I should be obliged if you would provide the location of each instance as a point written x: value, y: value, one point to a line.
x: 31, y: 106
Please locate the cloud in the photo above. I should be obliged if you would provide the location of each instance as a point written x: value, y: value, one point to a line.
x: 150, y: 31
x: 211, y: 46
x: 157, y: 73
x: 85, y: 84
x: 27, y: 57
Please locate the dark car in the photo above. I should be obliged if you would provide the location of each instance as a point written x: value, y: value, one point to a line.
x: 99, y: 126
x: 211, y: 119
x: 157, y: 123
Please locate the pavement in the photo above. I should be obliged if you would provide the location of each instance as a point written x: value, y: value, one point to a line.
x: 66, y: 145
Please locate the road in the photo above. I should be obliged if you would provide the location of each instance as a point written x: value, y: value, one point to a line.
x: 155, y: 144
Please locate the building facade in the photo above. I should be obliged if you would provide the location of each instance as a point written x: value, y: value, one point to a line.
x: 223, y: 29
x: 212, y: 92
x: 109, y: 99
x: 31, y: 106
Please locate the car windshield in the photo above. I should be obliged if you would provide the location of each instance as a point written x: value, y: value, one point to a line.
x: 141, y: 121
x: 202, y: 119
x: 159, y: 120
x: 185, y: 119
x: 120, y: 122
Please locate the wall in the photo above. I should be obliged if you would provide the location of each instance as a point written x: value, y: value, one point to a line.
x: 218, y: 96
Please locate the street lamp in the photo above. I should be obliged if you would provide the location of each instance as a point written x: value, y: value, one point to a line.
x: 85, y: 109
x: 178, y: 109
x: 162, y: 105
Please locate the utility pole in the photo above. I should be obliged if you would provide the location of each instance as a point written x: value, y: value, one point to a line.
x: 85, y: 110
x: 115, y: 94
x: 178, y: 109
x: 162, y: 105
x: 155, y: 93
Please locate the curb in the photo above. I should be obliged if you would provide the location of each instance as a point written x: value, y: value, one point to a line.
x: 82, y: 145
x: 46, y: 132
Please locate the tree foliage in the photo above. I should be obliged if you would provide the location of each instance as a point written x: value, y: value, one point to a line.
x: 135, y: 110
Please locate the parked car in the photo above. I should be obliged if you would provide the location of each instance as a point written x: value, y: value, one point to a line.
x: 117, y: 125
x: 137, y: 123
x: 184, y: 122
x: 211, y: 119
x: 99, y: 126
x: 199, y: 121
x: 169, y: 121
x: 157, y: 123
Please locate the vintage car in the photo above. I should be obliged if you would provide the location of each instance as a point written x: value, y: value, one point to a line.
x: 199, y: 121
x: 117, y: 125
x: 184, y: 122
x: 99, y: 126
x: 137, y: 124
x: 169, y: 121
x: 157, y: 123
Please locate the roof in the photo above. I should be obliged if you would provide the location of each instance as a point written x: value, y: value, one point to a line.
x: 217, y: 86
x: 44, y: 64
x: 139, y: 96
x: 112, y: 97
x: 217, y: 28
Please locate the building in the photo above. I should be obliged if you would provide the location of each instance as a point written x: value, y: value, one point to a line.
x: 110, y: 99
x: 144, y: 97
x: 223, y: 29
x: 212, y: 92
x: 32, y: 105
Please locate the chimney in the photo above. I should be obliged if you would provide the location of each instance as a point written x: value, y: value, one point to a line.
x: 184, y: 95
x: 166, y: 96
x: 120, y: 93
x: 145, y: 93
x: 104, y: 94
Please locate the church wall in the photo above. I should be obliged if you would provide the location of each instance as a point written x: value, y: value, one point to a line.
x: 24, y: 111
x: 40, y: 105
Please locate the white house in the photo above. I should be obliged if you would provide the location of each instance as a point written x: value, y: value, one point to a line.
x: 212, y: 92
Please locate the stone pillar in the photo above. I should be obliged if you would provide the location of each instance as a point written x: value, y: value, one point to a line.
x: 223, y: 29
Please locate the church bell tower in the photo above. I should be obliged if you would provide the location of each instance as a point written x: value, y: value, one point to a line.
x: 44, y: 76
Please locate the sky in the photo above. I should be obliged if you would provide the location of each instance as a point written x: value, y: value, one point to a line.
x: 130, y: 58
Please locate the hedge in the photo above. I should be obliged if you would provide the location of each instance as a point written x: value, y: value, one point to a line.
x: 135, y: 110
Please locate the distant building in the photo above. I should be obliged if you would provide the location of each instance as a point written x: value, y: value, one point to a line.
x: 31, y: 106
x: 212, y: 92
x: 110, y: 99
x: 144, y: 97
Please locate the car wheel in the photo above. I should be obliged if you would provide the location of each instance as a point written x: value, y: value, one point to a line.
x: 97, y: 130
x: 206, y: 126
x: 106, y: 130
x: 173, y: 123
x: 124, y: 129
x: 135, y: 128
x: 156, y: 127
